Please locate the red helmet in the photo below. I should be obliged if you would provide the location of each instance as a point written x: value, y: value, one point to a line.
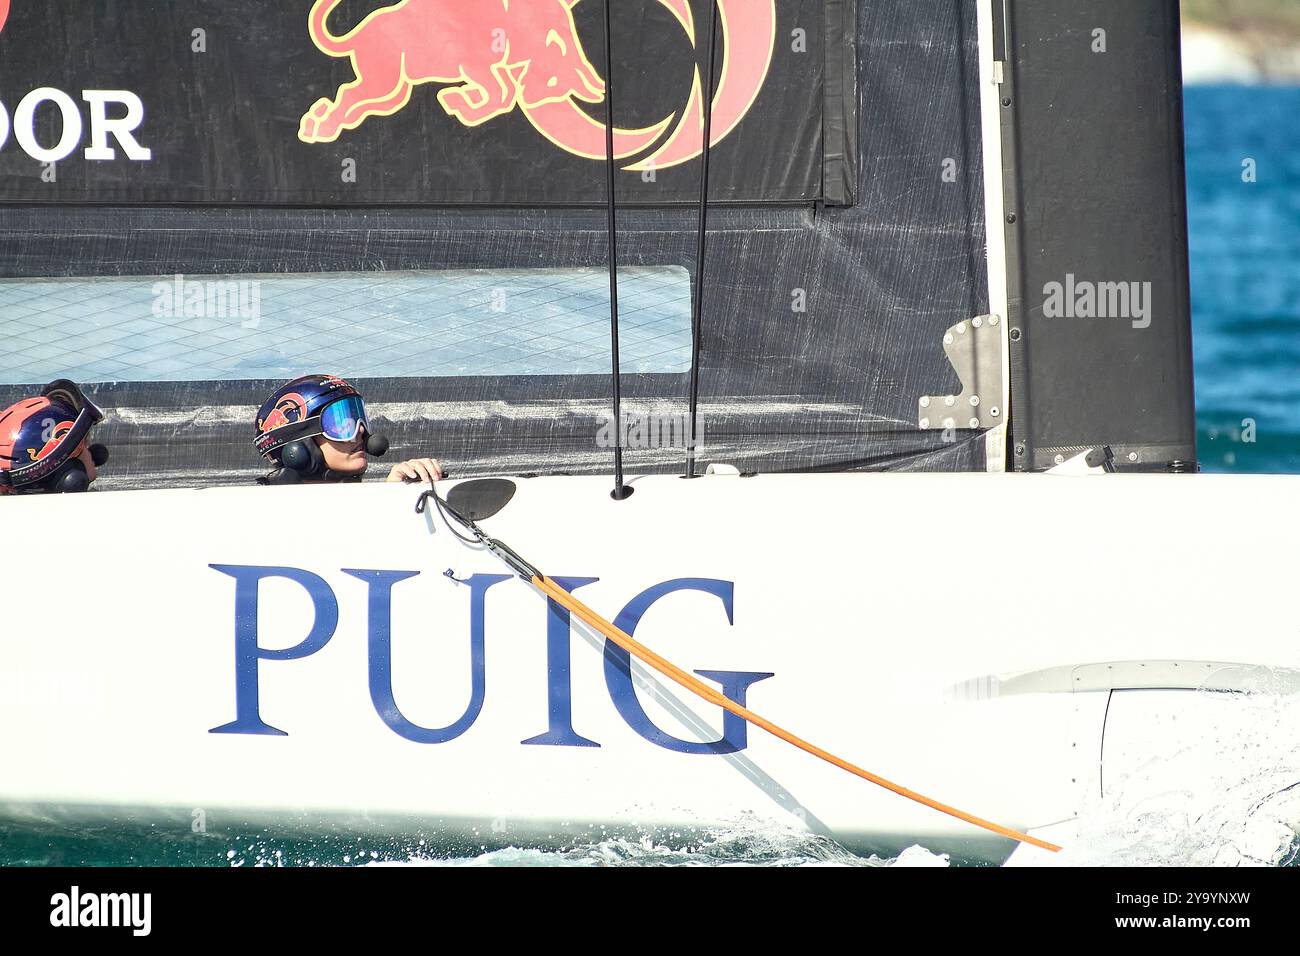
x: 42, y: 438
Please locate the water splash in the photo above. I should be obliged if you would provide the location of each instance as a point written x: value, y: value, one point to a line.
x: 743, y: 844
x: 1219, y: 785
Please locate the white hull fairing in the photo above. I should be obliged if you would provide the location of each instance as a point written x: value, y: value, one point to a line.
x: 297, y: 657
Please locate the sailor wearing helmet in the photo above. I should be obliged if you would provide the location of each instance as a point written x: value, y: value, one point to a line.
x: 315, y: 429
x: 44, y: 442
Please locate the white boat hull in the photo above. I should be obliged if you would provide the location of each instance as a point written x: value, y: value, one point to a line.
x: 868, y: 614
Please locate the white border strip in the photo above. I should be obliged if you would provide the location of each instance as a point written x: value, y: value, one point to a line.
x: 995, y: 440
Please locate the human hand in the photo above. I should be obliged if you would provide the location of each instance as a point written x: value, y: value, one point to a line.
x: 416, y: 469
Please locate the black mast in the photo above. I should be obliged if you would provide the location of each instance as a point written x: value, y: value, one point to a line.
x: 701, y: 240
x: 620, y: 491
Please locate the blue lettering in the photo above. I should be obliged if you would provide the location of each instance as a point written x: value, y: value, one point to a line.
x: 560, y: 691
x: 560, y: 731
x: 735, y: 684
x: 381, y: 644
x: 248, y: 718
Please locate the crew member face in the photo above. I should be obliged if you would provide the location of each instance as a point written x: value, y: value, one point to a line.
x: 344, y: 457
x: 83, y: 456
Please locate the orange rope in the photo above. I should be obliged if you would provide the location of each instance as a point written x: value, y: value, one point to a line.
x: 696, y: 686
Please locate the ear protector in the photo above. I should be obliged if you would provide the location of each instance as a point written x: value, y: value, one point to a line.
x: 71, y: 476
x: 302, y: 460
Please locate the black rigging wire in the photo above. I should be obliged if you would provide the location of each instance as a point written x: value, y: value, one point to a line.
x: 620, y: 491
x: 698, y: 304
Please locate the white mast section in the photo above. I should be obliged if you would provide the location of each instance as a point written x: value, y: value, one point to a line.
x: 991, y: 68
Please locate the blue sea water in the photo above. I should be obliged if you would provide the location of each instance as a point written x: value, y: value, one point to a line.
x: 1244, y: 242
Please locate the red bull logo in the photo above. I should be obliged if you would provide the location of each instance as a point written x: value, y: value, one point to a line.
x: 496, y: 56
x: 4, y: 13
x: 292, y: 408
x: 57, y: 434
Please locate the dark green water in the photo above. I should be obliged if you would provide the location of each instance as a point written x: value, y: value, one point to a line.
x: 119, y: 845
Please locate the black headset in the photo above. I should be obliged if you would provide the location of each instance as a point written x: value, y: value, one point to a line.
x: 302, y: 460
x: 71, y: 476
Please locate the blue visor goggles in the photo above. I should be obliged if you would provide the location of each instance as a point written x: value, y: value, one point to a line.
x: 344, y: 419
